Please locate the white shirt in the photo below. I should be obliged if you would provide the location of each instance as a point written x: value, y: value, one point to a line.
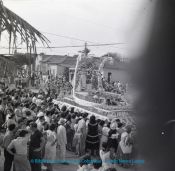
x: 20, y: 145
x: 105, y: 157
x: 34, y: 99
x: 61, y: 135
x: 47, y: 119
x: 126, y: 149
x: 39, y: 102
x: 82, y: 126
x: 39, y: 125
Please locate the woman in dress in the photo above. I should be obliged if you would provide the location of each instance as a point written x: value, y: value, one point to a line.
x: 125, y: 146
x: 92, y: 139
x: 76, y: 138
x: 104, y: 136
x: 18, y: 148
x: 105, y: 156
x: 50, y: 147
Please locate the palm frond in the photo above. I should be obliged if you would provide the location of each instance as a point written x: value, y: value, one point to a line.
x: 19, y: 28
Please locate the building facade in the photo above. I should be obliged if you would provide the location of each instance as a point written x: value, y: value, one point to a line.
x: 56, y: 65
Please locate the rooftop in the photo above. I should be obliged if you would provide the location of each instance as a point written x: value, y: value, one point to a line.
x: 53, y: 59
x: 70, y: 61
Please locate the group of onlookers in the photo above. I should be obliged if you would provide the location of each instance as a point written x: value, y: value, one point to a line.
x: 36, y: 128
x: 115, y: 86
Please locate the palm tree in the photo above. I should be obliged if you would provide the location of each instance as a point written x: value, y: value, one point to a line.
x: 16, y: 27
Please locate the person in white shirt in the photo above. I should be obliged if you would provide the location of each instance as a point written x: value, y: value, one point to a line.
x: 104, y: 137
x: 105, y: 156
x: 18, y: 112
x: 50, y: 147
x: 62, y: 139
x: 21, y: 162
x: 40, y: 121
x: 9, y: 112
x: 125, y: 146
x: 47, y: 117
x: 82, y: 129
x: 39, y: 100
x: 34, y: 99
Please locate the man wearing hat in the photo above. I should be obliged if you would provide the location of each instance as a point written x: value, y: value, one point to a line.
x: 62, y: 139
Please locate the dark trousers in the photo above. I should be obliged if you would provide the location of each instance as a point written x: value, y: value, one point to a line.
x: 8, y: 160
x: 33, y: 157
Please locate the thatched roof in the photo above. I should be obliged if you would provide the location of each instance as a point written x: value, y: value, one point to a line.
x: 19, y: 28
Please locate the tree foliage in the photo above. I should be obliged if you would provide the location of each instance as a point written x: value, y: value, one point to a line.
x: 16, y: 27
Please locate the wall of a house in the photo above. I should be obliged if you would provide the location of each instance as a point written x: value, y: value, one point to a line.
x: 60, y: 70
x: 53, y: 69
x: 43, y: 67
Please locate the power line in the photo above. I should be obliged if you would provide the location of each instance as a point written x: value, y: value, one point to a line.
x: 73, y: 46
x: 68, y: 37
x: 96, y: 45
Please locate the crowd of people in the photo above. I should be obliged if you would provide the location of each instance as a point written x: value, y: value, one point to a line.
x: 60, y: 85
x: 114, y: 86
x: 34, y: 128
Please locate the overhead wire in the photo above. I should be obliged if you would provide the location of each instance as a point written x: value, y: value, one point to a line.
x: 73, y: 46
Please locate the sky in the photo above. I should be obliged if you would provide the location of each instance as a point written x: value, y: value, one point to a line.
x: 94, y: 21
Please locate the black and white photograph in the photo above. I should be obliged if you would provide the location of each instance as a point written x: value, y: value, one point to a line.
x: 87, y: 85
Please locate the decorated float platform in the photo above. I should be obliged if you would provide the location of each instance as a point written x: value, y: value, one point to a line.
x: 122, y: 111
x: 91, y: 92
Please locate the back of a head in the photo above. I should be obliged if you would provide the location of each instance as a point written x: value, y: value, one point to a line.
x: 22, y: 133
x: 97, y: 163
x: 11, y: 127
x: 84, y: 115
x: 120, y: 125
x: 52, y: 127
x: 28, y: 113
x: 64, y: 108
x: 102, y: 123
x: 92, y: 119
x: 85, y: 160
x: 33, y: 125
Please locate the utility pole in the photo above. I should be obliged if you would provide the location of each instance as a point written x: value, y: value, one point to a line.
x: 30, y: 63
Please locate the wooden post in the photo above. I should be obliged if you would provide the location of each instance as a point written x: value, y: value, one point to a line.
x: 30, y: 57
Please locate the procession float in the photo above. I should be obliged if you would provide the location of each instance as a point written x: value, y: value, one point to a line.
x: 93, y: 94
